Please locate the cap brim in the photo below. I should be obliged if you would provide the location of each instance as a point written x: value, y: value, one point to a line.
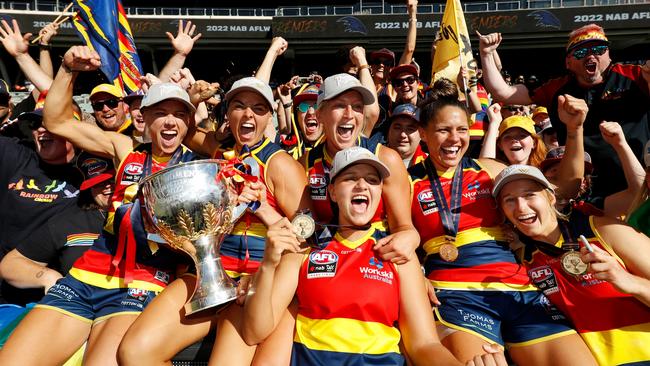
x: 499, y: 186
x: 382, y: 169
x: 366, y: 94
x: 231, y: 93
x: 573, y: 47
x: 189, y: 105
x: 130, y: 98
x: 89, y: 183
x: 305, y: 96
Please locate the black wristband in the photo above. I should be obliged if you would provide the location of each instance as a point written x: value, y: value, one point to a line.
x: 287, y: 105
x: 45, y: 46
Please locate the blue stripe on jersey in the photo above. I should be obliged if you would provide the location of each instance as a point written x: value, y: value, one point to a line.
x: 301, y: 355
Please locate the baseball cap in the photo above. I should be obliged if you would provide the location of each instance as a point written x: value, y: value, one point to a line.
x: 166, y: 91
x: 107, y: 88
x: 357, y: 155
x: 34, y: 118
x: 251, y: 84
x: 403, y: 68
x: 4, y: 87
x: 646, y: 154
x: 308, y: 93
x: 516, y: 172
x: 95, y: 169
x: 133, y: 97
x: 338, y: 84
x: 384, y: 52
x: 523, y: 122
x: 406, y: 110
x: 539, y: 111
x: 555, y: 155
x: 585, y: 34
x: 545, y: 127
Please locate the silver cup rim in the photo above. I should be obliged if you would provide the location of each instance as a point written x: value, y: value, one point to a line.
x: 181, y: 165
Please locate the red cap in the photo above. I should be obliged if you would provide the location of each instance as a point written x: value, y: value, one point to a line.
x: 95, y: 169
x: 404, y: 68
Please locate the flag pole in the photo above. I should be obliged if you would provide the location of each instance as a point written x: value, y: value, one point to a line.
x: 460, y: 52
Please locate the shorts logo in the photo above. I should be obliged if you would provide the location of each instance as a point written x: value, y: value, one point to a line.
x: 162, y: 276
x: 427, y: 202
x: 322, y: 264
x: 138, y: 294
x: 132, y: 173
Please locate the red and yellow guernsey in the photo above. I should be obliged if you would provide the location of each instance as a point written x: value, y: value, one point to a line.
x: 614, y: 325
x: 319, y: 163
x: 110, y: 262
x: 242, y: 251
x: 484, y: 261
x: 348, y: 305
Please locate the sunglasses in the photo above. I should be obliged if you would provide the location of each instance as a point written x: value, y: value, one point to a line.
x: 110, y: 103
x: 383, y: 61
x: 304, y: 106
x: 399, y: 82
x: 581, y: 53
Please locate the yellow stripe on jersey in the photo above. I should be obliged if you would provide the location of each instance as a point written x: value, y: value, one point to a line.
x: 346, y: 335
x: 481, y: 286
x: 109, y: 282
x: 620, y: 346
x: 252, y: 229
x: 469, y: 236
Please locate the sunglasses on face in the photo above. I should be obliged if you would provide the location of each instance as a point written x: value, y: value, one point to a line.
x: 110, y: 103
x: 383, y: 61
x: 399, y: 82
x: 581, y: 53
x: 304, y: 106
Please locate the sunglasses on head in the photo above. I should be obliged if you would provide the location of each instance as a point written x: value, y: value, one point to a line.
x: 581, y: 53
x: 399, y: 82
x: 110, y: 103
x: 383, y: 61
x: 304, y: 106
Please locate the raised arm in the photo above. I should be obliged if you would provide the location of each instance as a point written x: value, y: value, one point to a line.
x: 572, y: 112
x: 274, y: 284
x: 489, y: 146
x: 370, y: 112
x: 17, y: 46
x: 500, y: 90
x: 619, y: 203
x: 412, y: 35
x: 44, y: 58
x: 182, y: 44
x: 58, y: 113
x: 277, y: 48
x: 463, y: 80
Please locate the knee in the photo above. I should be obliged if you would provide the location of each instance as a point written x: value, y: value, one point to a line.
x: 135, y: 350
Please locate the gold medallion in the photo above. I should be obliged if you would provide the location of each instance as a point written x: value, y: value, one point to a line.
x: 573, y: 264
x: 303, y: 226
x: 448, y: 252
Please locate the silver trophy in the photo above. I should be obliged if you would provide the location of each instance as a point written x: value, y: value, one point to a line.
x: 193, y: 207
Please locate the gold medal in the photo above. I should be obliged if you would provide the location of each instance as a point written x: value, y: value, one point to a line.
x: 573, y: 264
x: 303, y: 226
x: 448, y: 251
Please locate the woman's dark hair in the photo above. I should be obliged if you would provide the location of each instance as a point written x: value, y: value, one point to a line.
x: 86, y: 202
x: 443, y: 93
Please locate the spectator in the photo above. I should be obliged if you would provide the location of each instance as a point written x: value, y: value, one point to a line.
x: 404, y: 134
x: 405, y: 81
x: 110, y: 108
x: 134, y: 102
x: 614, y: 92
x: 548, y: 135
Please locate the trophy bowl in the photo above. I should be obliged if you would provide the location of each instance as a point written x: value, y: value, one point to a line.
x: 193, y: 207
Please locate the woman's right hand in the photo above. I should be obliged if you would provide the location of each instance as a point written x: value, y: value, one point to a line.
x: 493, y: 357
x: 280, y: 238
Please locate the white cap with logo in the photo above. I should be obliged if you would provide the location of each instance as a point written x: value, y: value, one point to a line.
x: 252, y: 84
x: 340, y: 83
x: 166, y: 91
x: 357, y: 155
x: 519, y: 171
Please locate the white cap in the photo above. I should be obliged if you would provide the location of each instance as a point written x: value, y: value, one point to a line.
x: 340, y: 83
x: 166, y: 91
x: 516, y: 172
x: 251, y: 84
x: 357, y: 155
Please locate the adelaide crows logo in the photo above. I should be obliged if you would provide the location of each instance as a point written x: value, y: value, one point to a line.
x: 353, y: 25
x: 545, y: 19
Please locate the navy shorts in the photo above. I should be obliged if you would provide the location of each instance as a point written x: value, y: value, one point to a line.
x: 506, y: 317
x: 91, y: 303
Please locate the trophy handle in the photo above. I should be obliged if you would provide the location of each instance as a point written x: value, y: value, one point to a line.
x: 241, y: 208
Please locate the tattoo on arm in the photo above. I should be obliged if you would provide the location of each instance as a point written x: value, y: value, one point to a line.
x: 40, y: 274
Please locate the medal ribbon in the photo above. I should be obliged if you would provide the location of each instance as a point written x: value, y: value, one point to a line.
x: 148, y: 161
x: 449, y: 214
x: 570, y: 243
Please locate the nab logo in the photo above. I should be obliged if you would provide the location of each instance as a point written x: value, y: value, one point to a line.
x: 426, y: 196
x: 323, y: 257
x: 541, y: 273
x: 317, y: 180
x: 133, y: 169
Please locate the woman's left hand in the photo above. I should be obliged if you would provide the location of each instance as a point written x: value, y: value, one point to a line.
x: 607, y: 268
x: 399, y: 247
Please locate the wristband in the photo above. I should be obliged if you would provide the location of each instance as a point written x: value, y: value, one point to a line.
x: 44, y: 46
x: 361, y: 67
x: 288, y: 104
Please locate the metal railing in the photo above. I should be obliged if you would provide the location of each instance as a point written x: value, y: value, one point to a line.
x: 362, y: 7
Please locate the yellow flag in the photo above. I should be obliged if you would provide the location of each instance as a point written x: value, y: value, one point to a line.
x: 453, y: 48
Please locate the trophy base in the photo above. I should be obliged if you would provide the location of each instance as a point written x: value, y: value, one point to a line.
x: 221, y: 298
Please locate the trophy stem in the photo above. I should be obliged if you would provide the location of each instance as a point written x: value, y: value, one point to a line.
x: 213, y: 286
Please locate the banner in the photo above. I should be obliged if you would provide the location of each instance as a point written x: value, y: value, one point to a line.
x: 102, y: 25
x: 453, y: 47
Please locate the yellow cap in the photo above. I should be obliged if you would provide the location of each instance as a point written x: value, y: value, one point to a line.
x: 539, y: 110
x: 522, y: 122
x: 107, y: 88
